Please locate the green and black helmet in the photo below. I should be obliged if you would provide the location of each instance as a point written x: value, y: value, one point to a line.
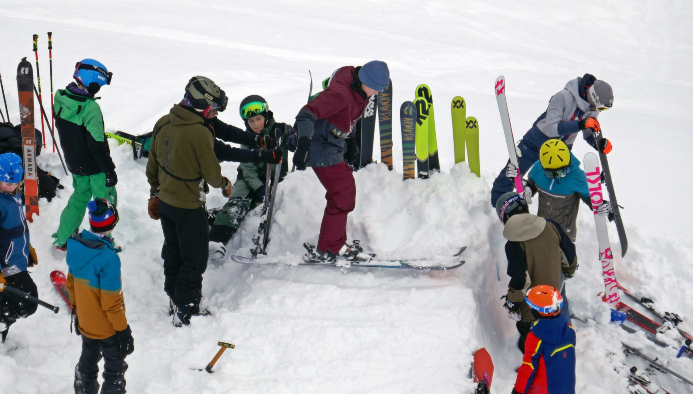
x: 204, y: 94
x: 254, y: 105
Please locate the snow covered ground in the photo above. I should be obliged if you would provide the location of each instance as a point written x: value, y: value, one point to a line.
x: 319, y: 329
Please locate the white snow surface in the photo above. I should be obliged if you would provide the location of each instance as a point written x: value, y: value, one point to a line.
x: 330, y: 330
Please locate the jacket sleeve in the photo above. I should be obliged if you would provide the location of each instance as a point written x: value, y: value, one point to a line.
x: 209, y: 166
x: 225, y: 152
x: 230, y: 133
x: 96, y: 139
x: 152, y: 170
x: 326, y: 104
x: 553, y: 125
x: 517, y: 270
x: 587, y: 134
x: 530, y: 364
x: 112, y: 294
x: 70, y: 286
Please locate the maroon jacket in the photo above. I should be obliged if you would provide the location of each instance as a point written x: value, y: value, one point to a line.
x: 330, y: 117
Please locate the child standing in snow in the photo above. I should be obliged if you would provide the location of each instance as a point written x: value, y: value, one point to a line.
x: 561, y: 184
x: 96, y: 297
x: 548, y: 364
x: 17, y: 254
x: 539, y: 252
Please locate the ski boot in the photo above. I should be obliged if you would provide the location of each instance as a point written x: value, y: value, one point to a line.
x: 354, y: 252
x: 313, y: 257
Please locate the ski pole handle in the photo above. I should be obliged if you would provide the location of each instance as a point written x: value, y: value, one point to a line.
x: 29, y: 297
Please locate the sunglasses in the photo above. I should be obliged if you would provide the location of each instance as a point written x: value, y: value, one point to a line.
x: 254, y: 108
x: 557, y: 172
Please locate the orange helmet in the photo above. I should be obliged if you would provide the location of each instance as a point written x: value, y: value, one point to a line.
x: 544, y: 299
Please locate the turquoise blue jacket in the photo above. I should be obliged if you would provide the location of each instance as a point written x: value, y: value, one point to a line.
x: 574, y: 182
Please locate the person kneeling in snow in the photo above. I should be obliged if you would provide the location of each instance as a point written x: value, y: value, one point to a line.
x: 15, y: 249
x: 96, y: 297
x: 539, y: 252
x: 250, y: 189
x: 325, y: 128
x: 561, y: 184
x: 548, y: 364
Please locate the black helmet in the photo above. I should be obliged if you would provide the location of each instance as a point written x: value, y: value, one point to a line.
x: 510, y: 204
x: 253, y: 105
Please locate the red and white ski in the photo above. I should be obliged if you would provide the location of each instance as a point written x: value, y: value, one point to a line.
x: 508, y: 130
x: 25, y: 86
x: 482, y: 371
x: 58, y: 279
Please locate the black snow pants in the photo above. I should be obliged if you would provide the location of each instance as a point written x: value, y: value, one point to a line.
x: 185, y: 253
x: 87, y: 369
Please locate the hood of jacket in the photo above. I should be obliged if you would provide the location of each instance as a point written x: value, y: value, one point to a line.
x: 181, y: 116
x: 552, y: 330
x: 573, y: 86
x: 86, y: 245
x: 523, y: 227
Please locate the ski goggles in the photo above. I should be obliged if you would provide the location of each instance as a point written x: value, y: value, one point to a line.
x: 557, y: 172
x: 91, y: 67
x: 603, y: 108
x: 254, y: 108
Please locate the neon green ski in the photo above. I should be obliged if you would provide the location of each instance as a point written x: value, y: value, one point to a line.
x: 421, y: 135
x: 471, y: 136
x: 423, y: 91
x: 458, y: 108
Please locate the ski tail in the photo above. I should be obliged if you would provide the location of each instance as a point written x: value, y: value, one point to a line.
x: 385, y: 125
x: 508, y: 130
x: 407, y: 118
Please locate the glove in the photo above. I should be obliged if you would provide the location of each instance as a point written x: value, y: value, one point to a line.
x: 264, y: 142
x: 259, y: 193
x: 153, y: 207
x: 527, y: 192
x: 605, y: 146
x: 273, y: 156
x: 569, y: 271
x: 292, y: 139
x: 302, y: 154
x: 604, y: 209
x: 589, y: 123
x: 352, y: 153
x: 125, y: 341
x: 512, y: 307
x: 33, y: 259
x: 226, y: 190
x: 511, y: 171
x: 111, y: 179
x: 75, y: 322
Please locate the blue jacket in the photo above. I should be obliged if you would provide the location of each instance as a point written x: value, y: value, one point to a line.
x: 574, y: 182
x: 560, y: 120
x: 94, y: 285
x: 14, y: 235
x: 548, y: 365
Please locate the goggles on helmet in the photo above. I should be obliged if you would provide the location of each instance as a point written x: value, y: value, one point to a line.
x: 91, y: 67
x: 603, y: 108
x: 597, y: 102
x: 253, y: 108
x: 218, y: 103
x: 557, y: 172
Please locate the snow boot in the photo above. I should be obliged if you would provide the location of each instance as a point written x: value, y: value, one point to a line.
x: 85, y: 383
x: 113, y: 383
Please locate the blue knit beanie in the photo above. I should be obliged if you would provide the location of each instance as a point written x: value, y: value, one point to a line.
x: 375, y: 75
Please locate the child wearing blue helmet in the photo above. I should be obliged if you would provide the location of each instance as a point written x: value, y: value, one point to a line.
x: 80, y: 126
x: 15, y: 251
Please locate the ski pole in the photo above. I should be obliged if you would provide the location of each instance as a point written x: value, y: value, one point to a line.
x: 38, y: 78
x: 223, y: 345
x: 29, y: 297
x: 49, y: 128
x: 50, y: 56
x: 4, y: 98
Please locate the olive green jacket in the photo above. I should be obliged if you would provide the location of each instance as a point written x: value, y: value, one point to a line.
x: 182, y: 160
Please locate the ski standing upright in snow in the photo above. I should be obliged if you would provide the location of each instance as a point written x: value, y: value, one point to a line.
x: 25, y: 85
x: 423, y: 91
x: 385, y: 125
x: 507, y: 129
x: 612, y: 196
x: 407, y: 119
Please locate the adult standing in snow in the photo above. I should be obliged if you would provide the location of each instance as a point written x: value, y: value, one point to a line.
x: 325, y: 128
x: 249, y: 189
x: 573, y: 109
x: 15, y: 247
x: 561, y: 185
x: 180, y: 166
x: 548, y: 364
x: 539, y: 252
x: 80, y: 126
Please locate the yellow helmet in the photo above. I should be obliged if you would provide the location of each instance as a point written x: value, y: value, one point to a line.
x: 554, y: 154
